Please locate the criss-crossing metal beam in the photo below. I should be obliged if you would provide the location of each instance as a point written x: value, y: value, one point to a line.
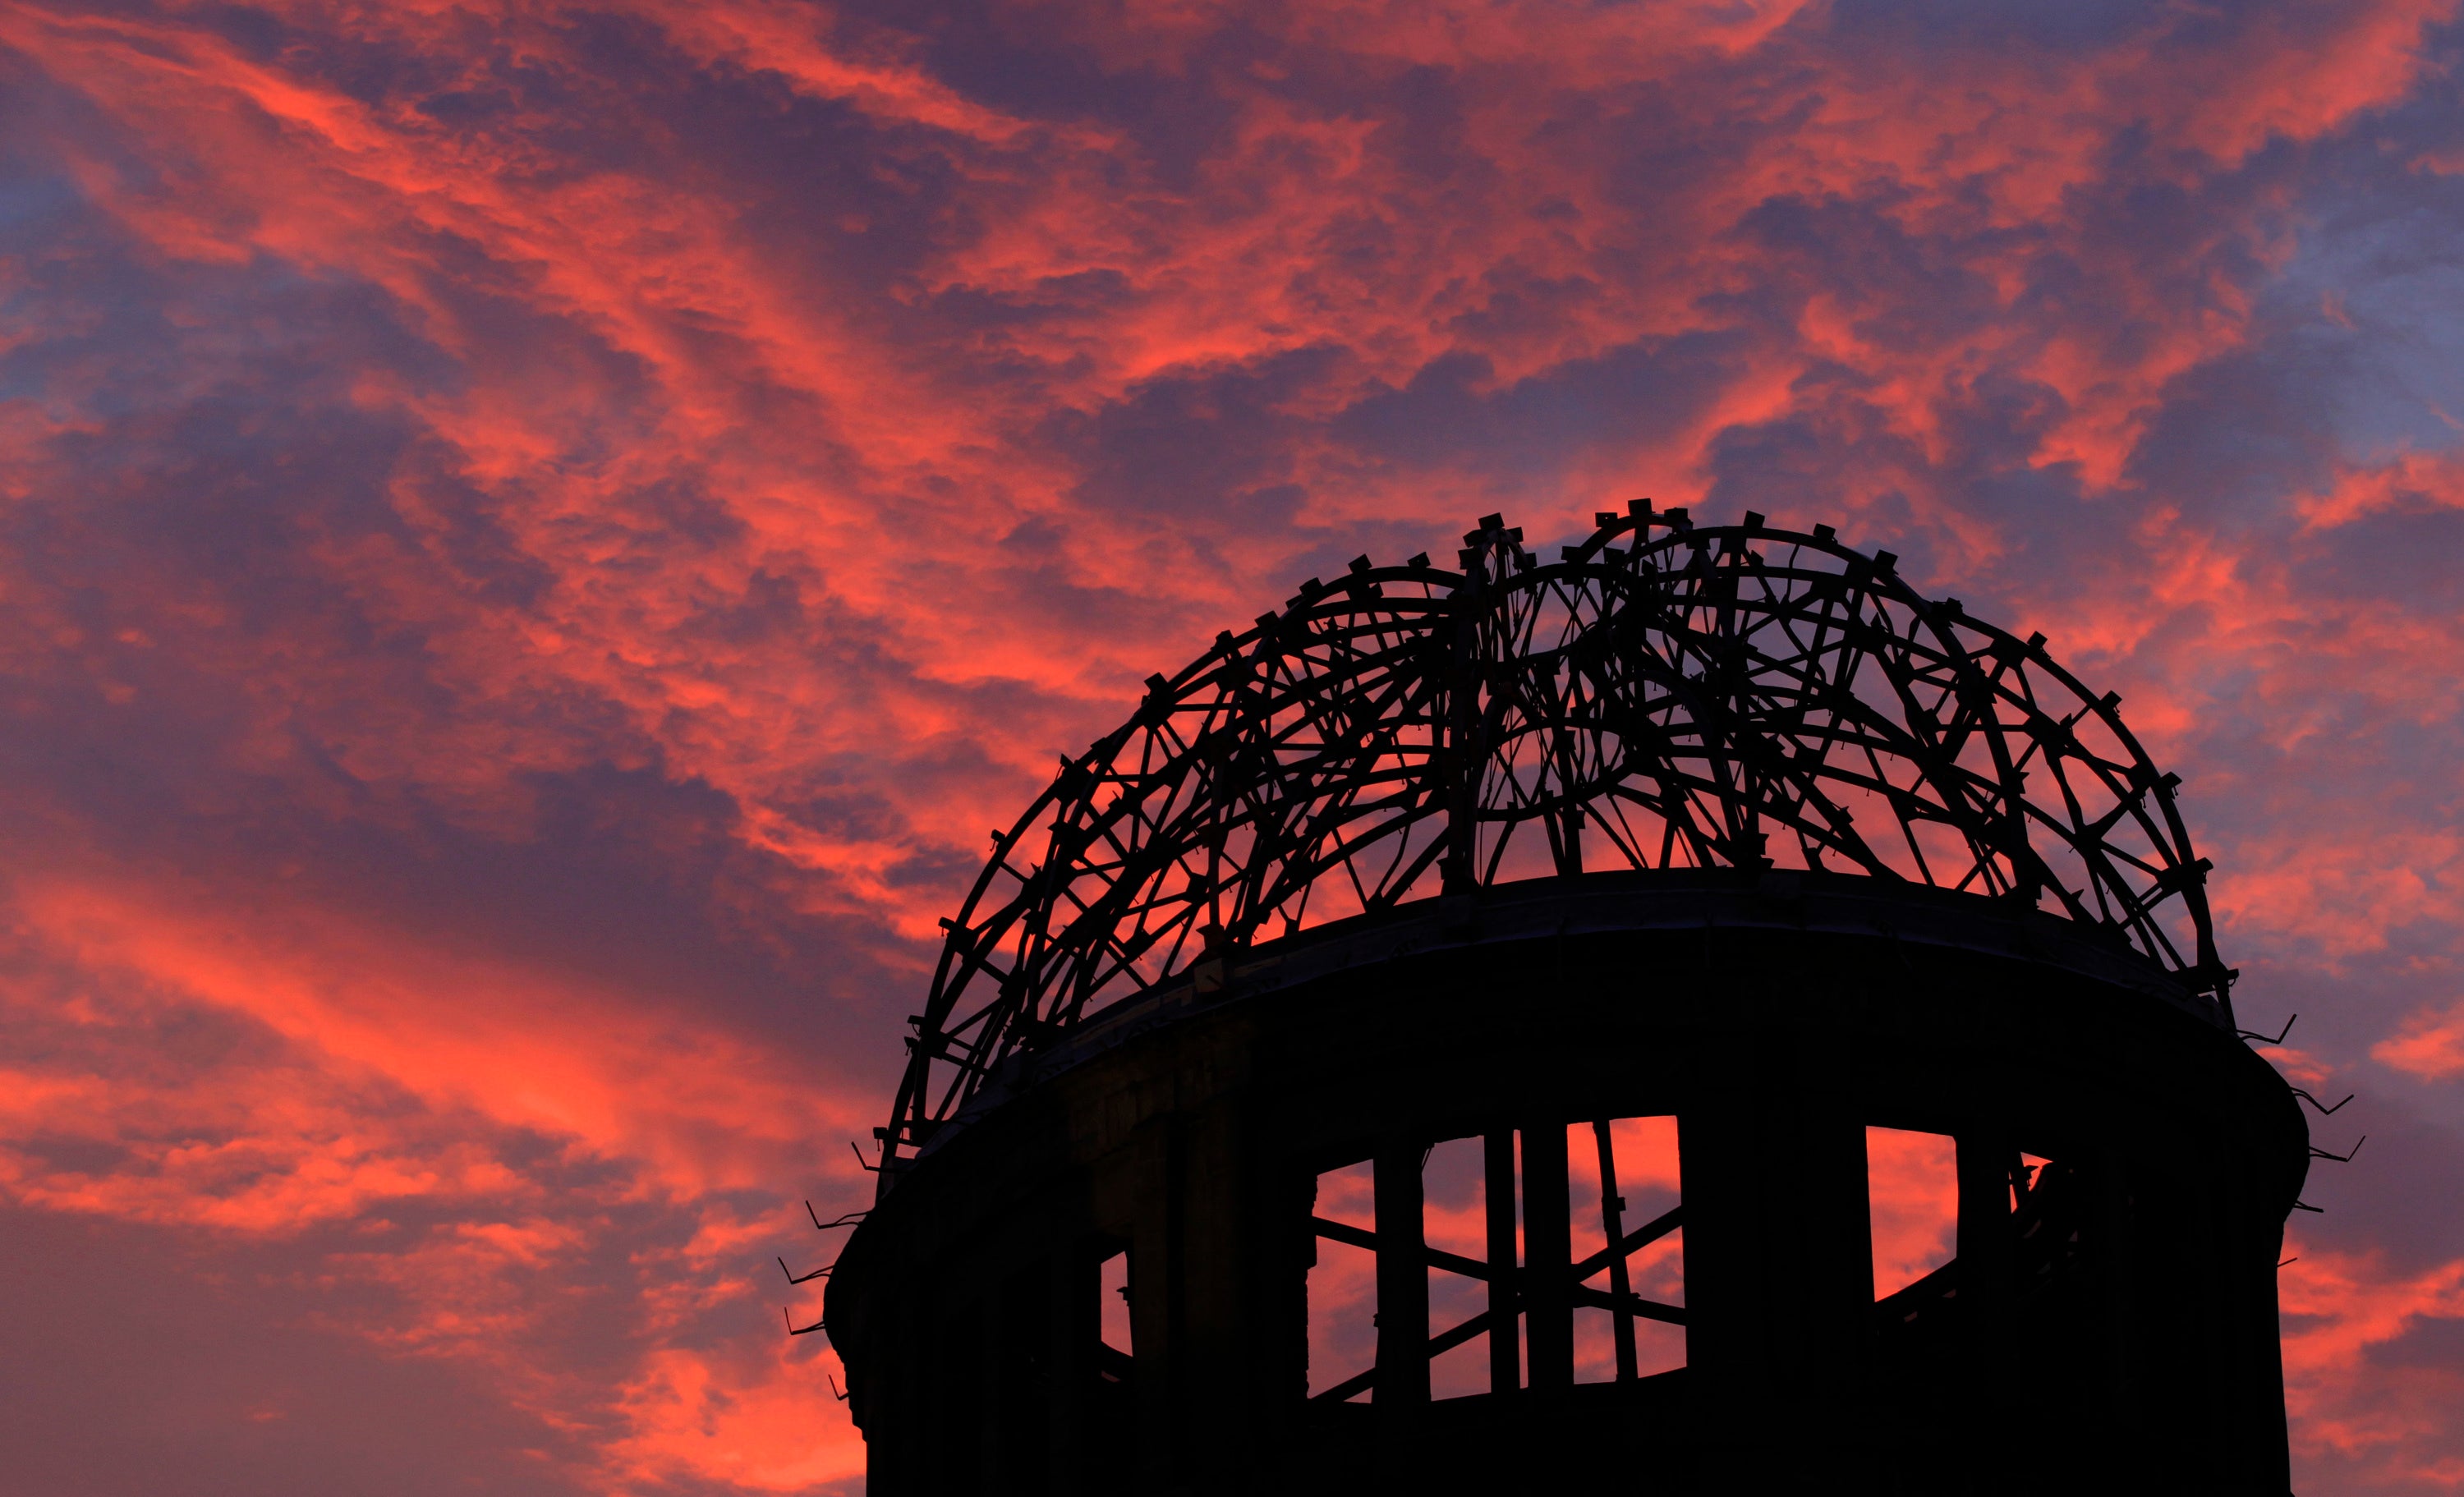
x: 1403, y: 1255
x: 1662, y: 694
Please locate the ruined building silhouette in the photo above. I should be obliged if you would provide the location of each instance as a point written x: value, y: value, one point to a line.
x: 1692, y: 855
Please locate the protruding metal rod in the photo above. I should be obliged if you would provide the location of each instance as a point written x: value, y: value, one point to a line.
x: 1613, y: 1230
x: 793, y: 1277
x: 1504, y: 1323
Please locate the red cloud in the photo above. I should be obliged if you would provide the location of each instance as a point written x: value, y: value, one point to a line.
x: 2430, y: 1044
x: 732, y: 448
x: 2348, y: 1404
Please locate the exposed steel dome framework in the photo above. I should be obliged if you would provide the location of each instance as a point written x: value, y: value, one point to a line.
x: 1664, y: 696
x: 1726, y: 823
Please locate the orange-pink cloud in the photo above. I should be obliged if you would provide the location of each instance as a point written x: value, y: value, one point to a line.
x: 2430, y: 1044
x: 2341, y: 1309
x: 536, y: 541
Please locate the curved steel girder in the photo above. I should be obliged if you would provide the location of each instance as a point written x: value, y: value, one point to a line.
x: 1663, y: 695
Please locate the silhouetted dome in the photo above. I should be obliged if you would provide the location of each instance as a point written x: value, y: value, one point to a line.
x: 1664, y: 696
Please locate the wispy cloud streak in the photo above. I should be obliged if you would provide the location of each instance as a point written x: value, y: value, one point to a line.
x: 536, y: 541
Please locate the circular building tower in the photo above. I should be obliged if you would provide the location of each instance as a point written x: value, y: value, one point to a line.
x: 1433, y: 1046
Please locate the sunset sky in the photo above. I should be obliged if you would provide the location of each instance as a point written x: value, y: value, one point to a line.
x: 536, y: 541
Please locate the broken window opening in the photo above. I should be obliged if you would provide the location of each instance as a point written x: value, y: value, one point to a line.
x: 1454, y: 1221
x: 1608, y: 1301
x: 1115, y: 1347
x: 1343, y: 1284
x: 1629, y: 1305
x: 1912, y: 1199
